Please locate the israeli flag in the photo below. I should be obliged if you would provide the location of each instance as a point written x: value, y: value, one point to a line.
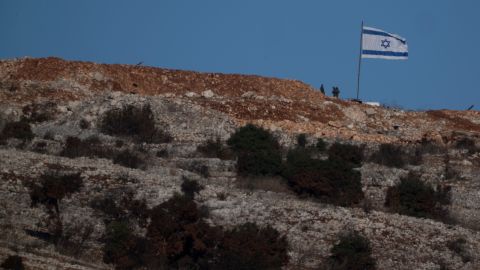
x: 377, y: 43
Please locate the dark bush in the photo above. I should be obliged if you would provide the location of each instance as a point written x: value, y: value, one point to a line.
x: 13, y: 262
x: 190, y: 187
x: 321, y: 145
x: 249, y: 247
x: 353, y: 252
x: 39, y: 112
x: 53, y: 187
x: 177, y: 236
x: 129, y: 159
x: 73, y: 237
x: 90, y: 147
x: 19, y: 130
x: 83, y: 124
x: 351, y: 154
x: 257, y: 150
x: 122, y: 248
x: 332, y: 181
x: 120, y: 205
x: 415, y: 198
x: 389, y: 155
x: 215, y: 149
x: 458, y: 246
x: 138, y: 123
x: 468, y: 144
x: 302, y: 140
x: 162, y: 153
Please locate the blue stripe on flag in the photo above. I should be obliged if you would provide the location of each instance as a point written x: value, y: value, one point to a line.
x: 404, y: 54
x: 379, y: 33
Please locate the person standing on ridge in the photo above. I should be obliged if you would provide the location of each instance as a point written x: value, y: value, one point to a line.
x: 335, y: 91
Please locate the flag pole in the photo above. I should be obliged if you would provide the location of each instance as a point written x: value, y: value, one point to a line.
x: 359, y: 61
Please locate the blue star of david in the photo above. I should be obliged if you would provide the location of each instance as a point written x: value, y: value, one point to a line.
x: 385, y: 43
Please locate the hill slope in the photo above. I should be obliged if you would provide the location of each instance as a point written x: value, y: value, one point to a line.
x: 62, y: 99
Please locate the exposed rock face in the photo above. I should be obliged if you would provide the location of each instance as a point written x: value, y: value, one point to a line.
x: 194, y: 107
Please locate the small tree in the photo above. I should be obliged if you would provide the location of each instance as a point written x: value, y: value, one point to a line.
x: 322, y: 89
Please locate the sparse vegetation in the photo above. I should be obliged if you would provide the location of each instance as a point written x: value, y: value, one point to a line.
x: 19, y: 130
x: 53, y: 187
x: 257, y: 150
x: 90, y: 147
x: 352, y: 252
x: 198, y: 167
x: 39, y: 112
x: 120, y: 205
x: 215, y: 149
x: 137, y: 123
x: 415, y: 198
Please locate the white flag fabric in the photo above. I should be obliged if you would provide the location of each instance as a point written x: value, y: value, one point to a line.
x: 377, y: 43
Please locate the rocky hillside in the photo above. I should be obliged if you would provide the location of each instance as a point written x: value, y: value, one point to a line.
x: 67, y: 106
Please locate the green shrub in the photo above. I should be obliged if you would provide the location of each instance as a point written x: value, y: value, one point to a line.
x: 19, y: 130
x: 389, y: 155
x: 13, y: 262
x: 53, y: 187
x: 138, y: 123
x: 415, y: 198
x: 302, y: 140
x: 352, y: 252
x: 215, y: 149
x: 332, y: 181
x: 351, y: 154
x: 248, y: 246
x: 122, y: 248
x: 257, y: 150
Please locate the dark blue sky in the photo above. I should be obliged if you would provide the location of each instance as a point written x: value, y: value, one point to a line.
x: 310, y: 40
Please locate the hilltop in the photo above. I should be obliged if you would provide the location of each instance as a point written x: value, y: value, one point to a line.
x: 68, y: 104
